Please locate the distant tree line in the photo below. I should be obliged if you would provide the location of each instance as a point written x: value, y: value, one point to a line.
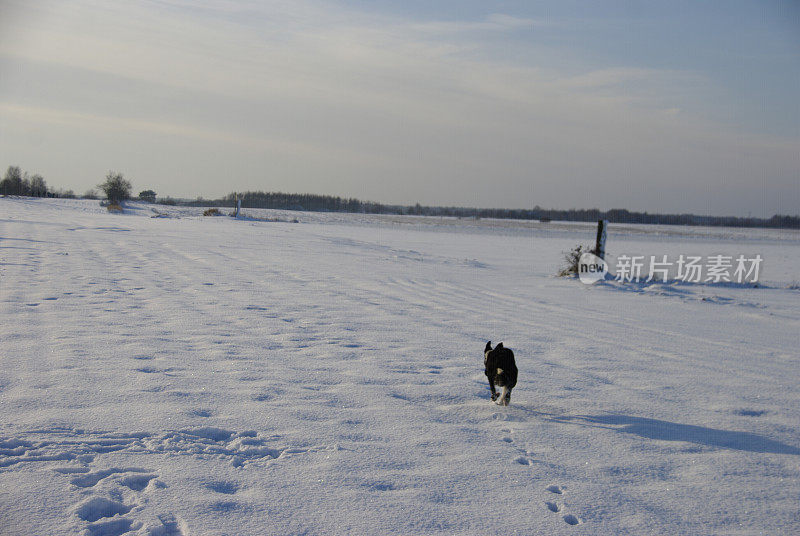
x: 117, y: 189
x: 18, y: 182
x: 326, y: 203
x: 279, y: 200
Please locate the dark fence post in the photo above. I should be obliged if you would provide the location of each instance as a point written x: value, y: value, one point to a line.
x: 600, y: 244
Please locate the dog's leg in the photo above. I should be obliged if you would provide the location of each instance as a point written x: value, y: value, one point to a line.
x: 505, y: 396
x: 494, y: 393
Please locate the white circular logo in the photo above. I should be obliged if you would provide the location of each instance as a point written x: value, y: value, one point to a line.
x: 591, y: 268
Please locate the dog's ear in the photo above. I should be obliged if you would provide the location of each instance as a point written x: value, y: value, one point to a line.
x: 488, y: 347
x: 499, y: 345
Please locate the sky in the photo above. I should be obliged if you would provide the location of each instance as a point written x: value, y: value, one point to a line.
x: 672, y: 107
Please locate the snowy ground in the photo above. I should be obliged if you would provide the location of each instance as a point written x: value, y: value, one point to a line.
x: 210, y: 376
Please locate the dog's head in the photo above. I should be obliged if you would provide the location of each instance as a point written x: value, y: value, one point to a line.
x: 488, y: 350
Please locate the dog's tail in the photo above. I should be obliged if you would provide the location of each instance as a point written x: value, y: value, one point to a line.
x: 499, y: 378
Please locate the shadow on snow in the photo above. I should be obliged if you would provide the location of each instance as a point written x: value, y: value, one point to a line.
x: 671, y: 431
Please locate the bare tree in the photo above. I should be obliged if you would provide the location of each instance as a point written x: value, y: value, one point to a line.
x: 38, y: 186
x: 116, y: 188
x: 148, y: 195
x: 12, y: 182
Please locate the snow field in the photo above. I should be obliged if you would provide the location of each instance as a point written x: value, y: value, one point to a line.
x: 193, y: 375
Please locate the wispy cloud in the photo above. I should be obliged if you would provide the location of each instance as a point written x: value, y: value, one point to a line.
x: 333, y: 100
x: 496, y: 22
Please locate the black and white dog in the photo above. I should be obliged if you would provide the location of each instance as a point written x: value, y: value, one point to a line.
x: 501, y: 369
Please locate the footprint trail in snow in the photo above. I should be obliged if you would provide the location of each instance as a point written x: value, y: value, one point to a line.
x: 113, y: 499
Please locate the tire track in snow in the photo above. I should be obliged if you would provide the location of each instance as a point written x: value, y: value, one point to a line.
x: 360, y: 294
x: 180, y: 305
x: 640, y: 357
x: 509, y: 310
x: 30, y: 305
x: 567, y: 312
